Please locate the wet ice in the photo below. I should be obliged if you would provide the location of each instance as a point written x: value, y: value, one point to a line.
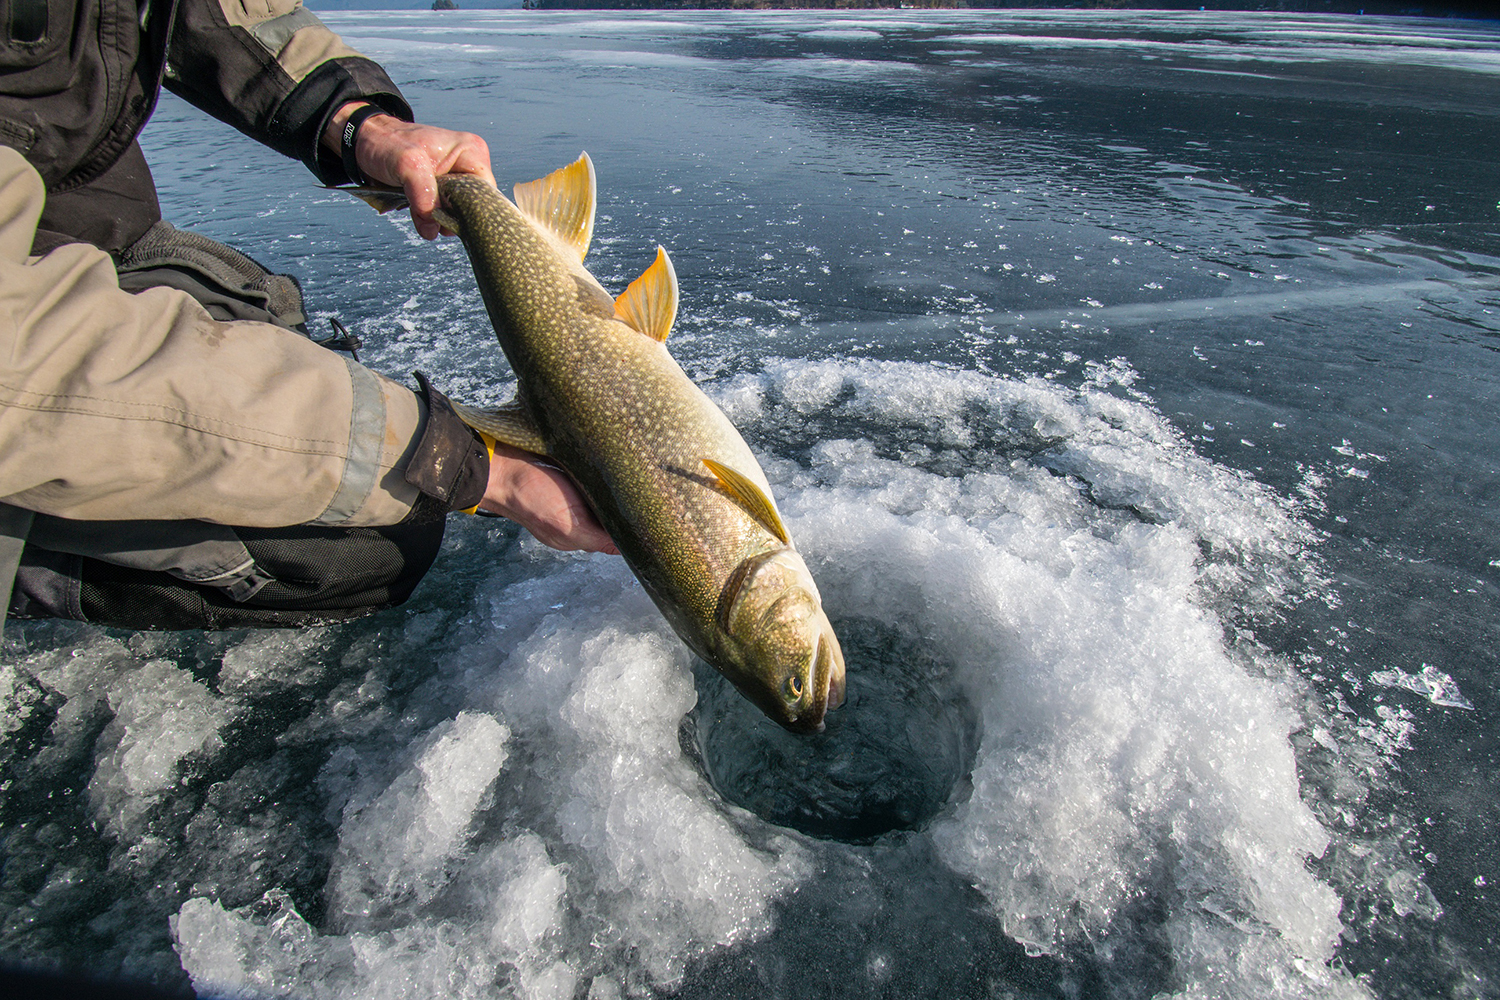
x: 553, y: 834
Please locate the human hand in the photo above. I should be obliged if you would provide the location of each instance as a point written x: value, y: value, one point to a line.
x: 412, y: 156
x: 544, y: 501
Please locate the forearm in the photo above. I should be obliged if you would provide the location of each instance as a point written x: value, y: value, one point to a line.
x: 120, y: 406
x: 278, y: 77
x: 164, y: 413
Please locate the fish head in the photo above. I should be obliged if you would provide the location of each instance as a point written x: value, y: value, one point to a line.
x: 785, y: 657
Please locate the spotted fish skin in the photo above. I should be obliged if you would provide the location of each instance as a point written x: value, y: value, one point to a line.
x: 667, y: 474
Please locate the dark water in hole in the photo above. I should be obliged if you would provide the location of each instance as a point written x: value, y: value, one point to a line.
x: 897, y: 751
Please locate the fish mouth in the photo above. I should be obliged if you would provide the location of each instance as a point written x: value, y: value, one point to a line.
x: 827, y: 679
x: 826, y: 688
x: 831, y: 664
x: 835, y: 696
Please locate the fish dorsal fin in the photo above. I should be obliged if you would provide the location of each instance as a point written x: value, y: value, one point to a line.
x: 507, y: 424
x: 650, y: 303
x: 751, y: 498
x: 563, y: 203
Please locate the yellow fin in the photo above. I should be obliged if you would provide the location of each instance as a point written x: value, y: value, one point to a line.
x: 750, y: 497
x: 508, y: 424
x: 650, y: 303
x: 381, y: 199
x: 563, y: 202
x: 389, y: 199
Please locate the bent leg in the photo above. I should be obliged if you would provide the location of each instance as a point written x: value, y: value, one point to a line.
x: 316, y: 576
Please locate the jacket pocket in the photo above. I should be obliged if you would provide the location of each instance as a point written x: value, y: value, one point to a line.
x: 241, y: 13
x: 17, y: 135
x: 33, y: 31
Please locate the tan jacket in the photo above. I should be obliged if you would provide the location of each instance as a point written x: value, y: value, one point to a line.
x: 121, y: 406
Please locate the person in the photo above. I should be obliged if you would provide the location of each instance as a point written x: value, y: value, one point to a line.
x: 175, y: 450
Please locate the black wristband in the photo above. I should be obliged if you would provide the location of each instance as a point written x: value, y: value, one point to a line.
x: 350, y: 134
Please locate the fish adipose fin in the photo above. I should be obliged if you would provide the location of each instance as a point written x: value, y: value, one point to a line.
x: 563, y: 203
x: 751, y: 498
x: 508, y: 424
x: 650, y: 303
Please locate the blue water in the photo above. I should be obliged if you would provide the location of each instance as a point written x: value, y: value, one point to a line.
x: 1128, y: 381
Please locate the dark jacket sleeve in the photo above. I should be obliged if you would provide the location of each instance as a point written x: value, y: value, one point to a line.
x: 274, y: 71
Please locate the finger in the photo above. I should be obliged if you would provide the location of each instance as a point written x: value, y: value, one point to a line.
x: 470, y: 155
x: 420, y: 184
x: 544, y: 501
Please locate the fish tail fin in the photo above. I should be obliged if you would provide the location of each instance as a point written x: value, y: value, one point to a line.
x: 390, y: 199
x: 381, y: 199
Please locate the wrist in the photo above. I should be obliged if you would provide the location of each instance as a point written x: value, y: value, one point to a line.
x: 349, y: 134
x: 335, y: 126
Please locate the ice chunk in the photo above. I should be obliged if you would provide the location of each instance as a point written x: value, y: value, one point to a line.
x: 1431, y: 683
x: 230, y: 955
x: 398, y: 845
x: 651, y: 849
x: 529, y: 904
x: 162, y: 715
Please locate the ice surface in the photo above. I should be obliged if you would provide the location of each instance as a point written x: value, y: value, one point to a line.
x: 1115, y: 721
x: 844, y: 34
x: 551, y: 834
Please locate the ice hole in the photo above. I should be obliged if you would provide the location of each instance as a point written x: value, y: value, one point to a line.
x: 898, y: 750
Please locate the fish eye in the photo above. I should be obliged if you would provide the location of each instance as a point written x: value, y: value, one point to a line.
x: 794, y: 686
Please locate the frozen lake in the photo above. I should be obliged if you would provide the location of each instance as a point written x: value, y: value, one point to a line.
x: 1128, y: 380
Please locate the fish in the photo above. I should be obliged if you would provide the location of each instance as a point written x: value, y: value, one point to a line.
x: 665, y: 471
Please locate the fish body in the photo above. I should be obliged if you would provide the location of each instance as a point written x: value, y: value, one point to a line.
x: 665, y: 471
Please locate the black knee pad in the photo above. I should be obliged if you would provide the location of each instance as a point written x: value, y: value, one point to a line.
x: 317, y: 575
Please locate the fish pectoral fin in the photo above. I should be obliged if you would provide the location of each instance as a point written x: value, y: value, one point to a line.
x: 563, y: 203
x: 751, y: 498
x: 650, y: 303
x: 507, y: 424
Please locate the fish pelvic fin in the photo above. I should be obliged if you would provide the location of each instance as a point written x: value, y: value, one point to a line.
x: 751, y: 498
x: 507, y: 424
x: 563, y: 203
x: 650, y: 303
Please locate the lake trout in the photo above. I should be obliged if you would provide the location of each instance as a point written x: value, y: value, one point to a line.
x: 667, y: 474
